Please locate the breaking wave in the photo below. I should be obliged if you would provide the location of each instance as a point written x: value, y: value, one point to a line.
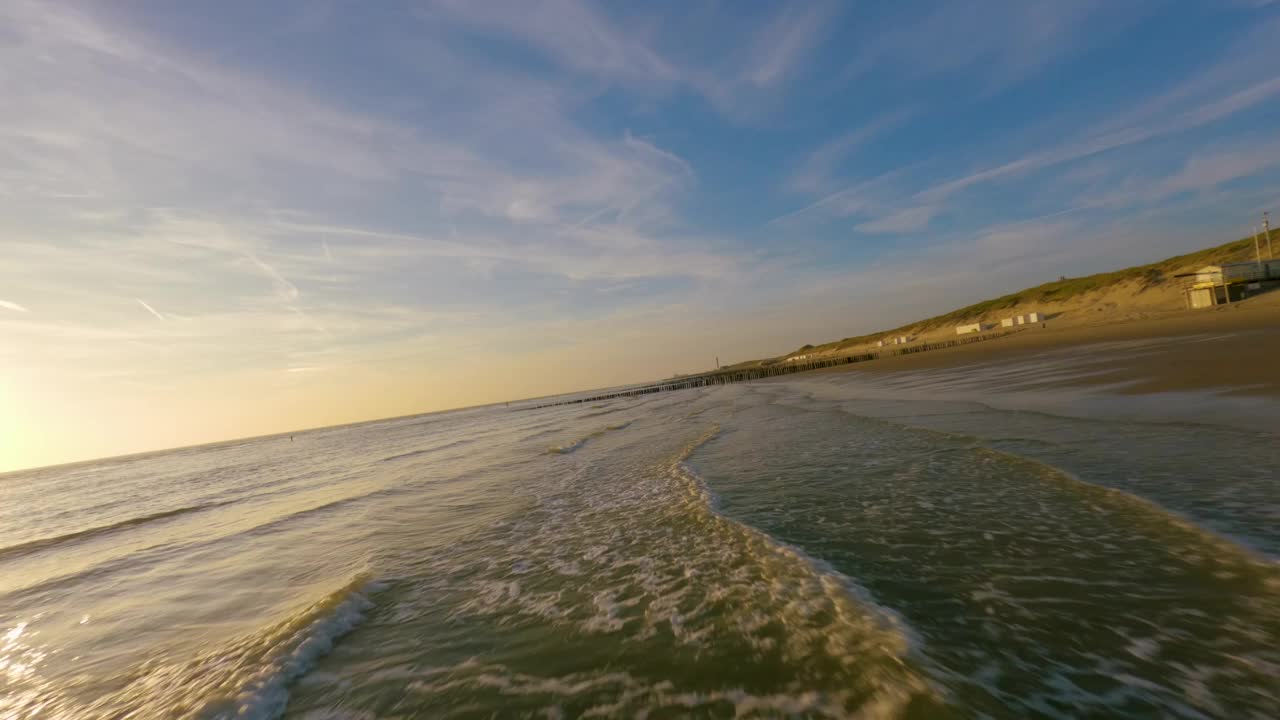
x: 79, y: 535
x: 250, y: 679
x: 573, y: 446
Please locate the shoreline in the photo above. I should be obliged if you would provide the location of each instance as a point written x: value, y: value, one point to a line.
x: 1231, y: 349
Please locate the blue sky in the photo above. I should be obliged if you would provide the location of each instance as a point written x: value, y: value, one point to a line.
x: 344, y: 210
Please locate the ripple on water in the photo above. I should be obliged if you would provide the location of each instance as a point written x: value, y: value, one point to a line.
x: 1035, y: 592
x: 632, y: 597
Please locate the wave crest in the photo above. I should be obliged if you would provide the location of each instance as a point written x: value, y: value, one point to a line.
x: 79, y: 535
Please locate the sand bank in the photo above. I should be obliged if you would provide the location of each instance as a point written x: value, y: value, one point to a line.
x: 1232, y: 349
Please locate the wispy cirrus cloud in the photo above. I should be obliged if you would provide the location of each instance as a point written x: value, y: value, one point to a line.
x: 783, y: 44
x: 1241, y: 79
x: 149, y: 309
x: 555, y: 180
x: 992, y: 44
x: 1198, y: 172
x: 239, y: 128
x: 866, y: 196
x: 213, y: 150
x: 1216, y: 167
x: 1198, y: 116
x: 628, y: 49
x: 575, y: 34
x: 817, y: 171
x: 903, y: 221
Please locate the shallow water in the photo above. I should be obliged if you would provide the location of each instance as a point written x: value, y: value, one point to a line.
x: 816, y: 547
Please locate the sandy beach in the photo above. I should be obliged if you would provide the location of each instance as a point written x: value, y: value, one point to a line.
x: 1232, y: 349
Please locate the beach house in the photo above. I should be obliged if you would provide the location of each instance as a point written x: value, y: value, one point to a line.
x: 1230, y: 282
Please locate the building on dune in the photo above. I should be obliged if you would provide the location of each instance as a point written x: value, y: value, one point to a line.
x: 1028, y: 319
x: 898, y: 340
x: 978, y: 327
x: 1230, y: 282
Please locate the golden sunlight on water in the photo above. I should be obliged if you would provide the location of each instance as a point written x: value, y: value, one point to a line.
x: 810, y: 548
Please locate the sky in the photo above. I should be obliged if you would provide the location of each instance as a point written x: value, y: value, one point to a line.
x: 225, y: 219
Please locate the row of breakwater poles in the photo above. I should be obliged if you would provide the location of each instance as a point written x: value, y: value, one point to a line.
x: 726, y: 376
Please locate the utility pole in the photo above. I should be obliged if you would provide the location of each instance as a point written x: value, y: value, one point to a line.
x: 1257, y: 249
x: 1266, y: 230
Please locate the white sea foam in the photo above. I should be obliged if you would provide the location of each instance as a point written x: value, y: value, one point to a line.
x: 266, y: 694
x: 249, y: 679
x: 631, y: 696
x: 615, y: 583
x: 832, y: 580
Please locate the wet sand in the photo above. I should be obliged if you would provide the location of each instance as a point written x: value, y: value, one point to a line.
x: 1231, y: 349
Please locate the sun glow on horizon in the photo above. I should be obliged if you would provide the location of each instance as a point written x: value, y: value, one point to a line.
x: 214, y: 226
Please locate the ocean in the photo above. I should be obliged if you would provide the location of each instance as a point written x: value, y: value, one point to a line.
x: 828, y: 545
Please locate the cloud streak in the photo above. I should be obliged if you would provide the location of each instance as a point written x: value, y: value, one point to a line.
x: 783, y: 44
x: 150, y: 309
x: 909, y: 199
x: 902, y: 221
x: 817, y: 171
x: 1197, y: 117
x: 578, y: 182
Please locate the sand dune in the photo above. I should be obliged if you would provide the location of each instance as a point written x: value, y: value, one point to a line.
x: 1228, y: 348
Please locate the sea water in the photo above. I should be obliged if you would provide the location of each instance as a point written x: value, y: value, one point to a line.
x: 820, y: 546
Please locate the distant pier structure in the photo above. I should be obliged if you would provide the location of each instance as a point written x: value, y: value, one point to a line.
x: 729, y: 375
x: 722, y: 376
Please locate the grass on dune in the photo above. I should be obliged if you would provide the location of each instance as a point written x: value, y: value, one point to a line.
x: 1141, y: 277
